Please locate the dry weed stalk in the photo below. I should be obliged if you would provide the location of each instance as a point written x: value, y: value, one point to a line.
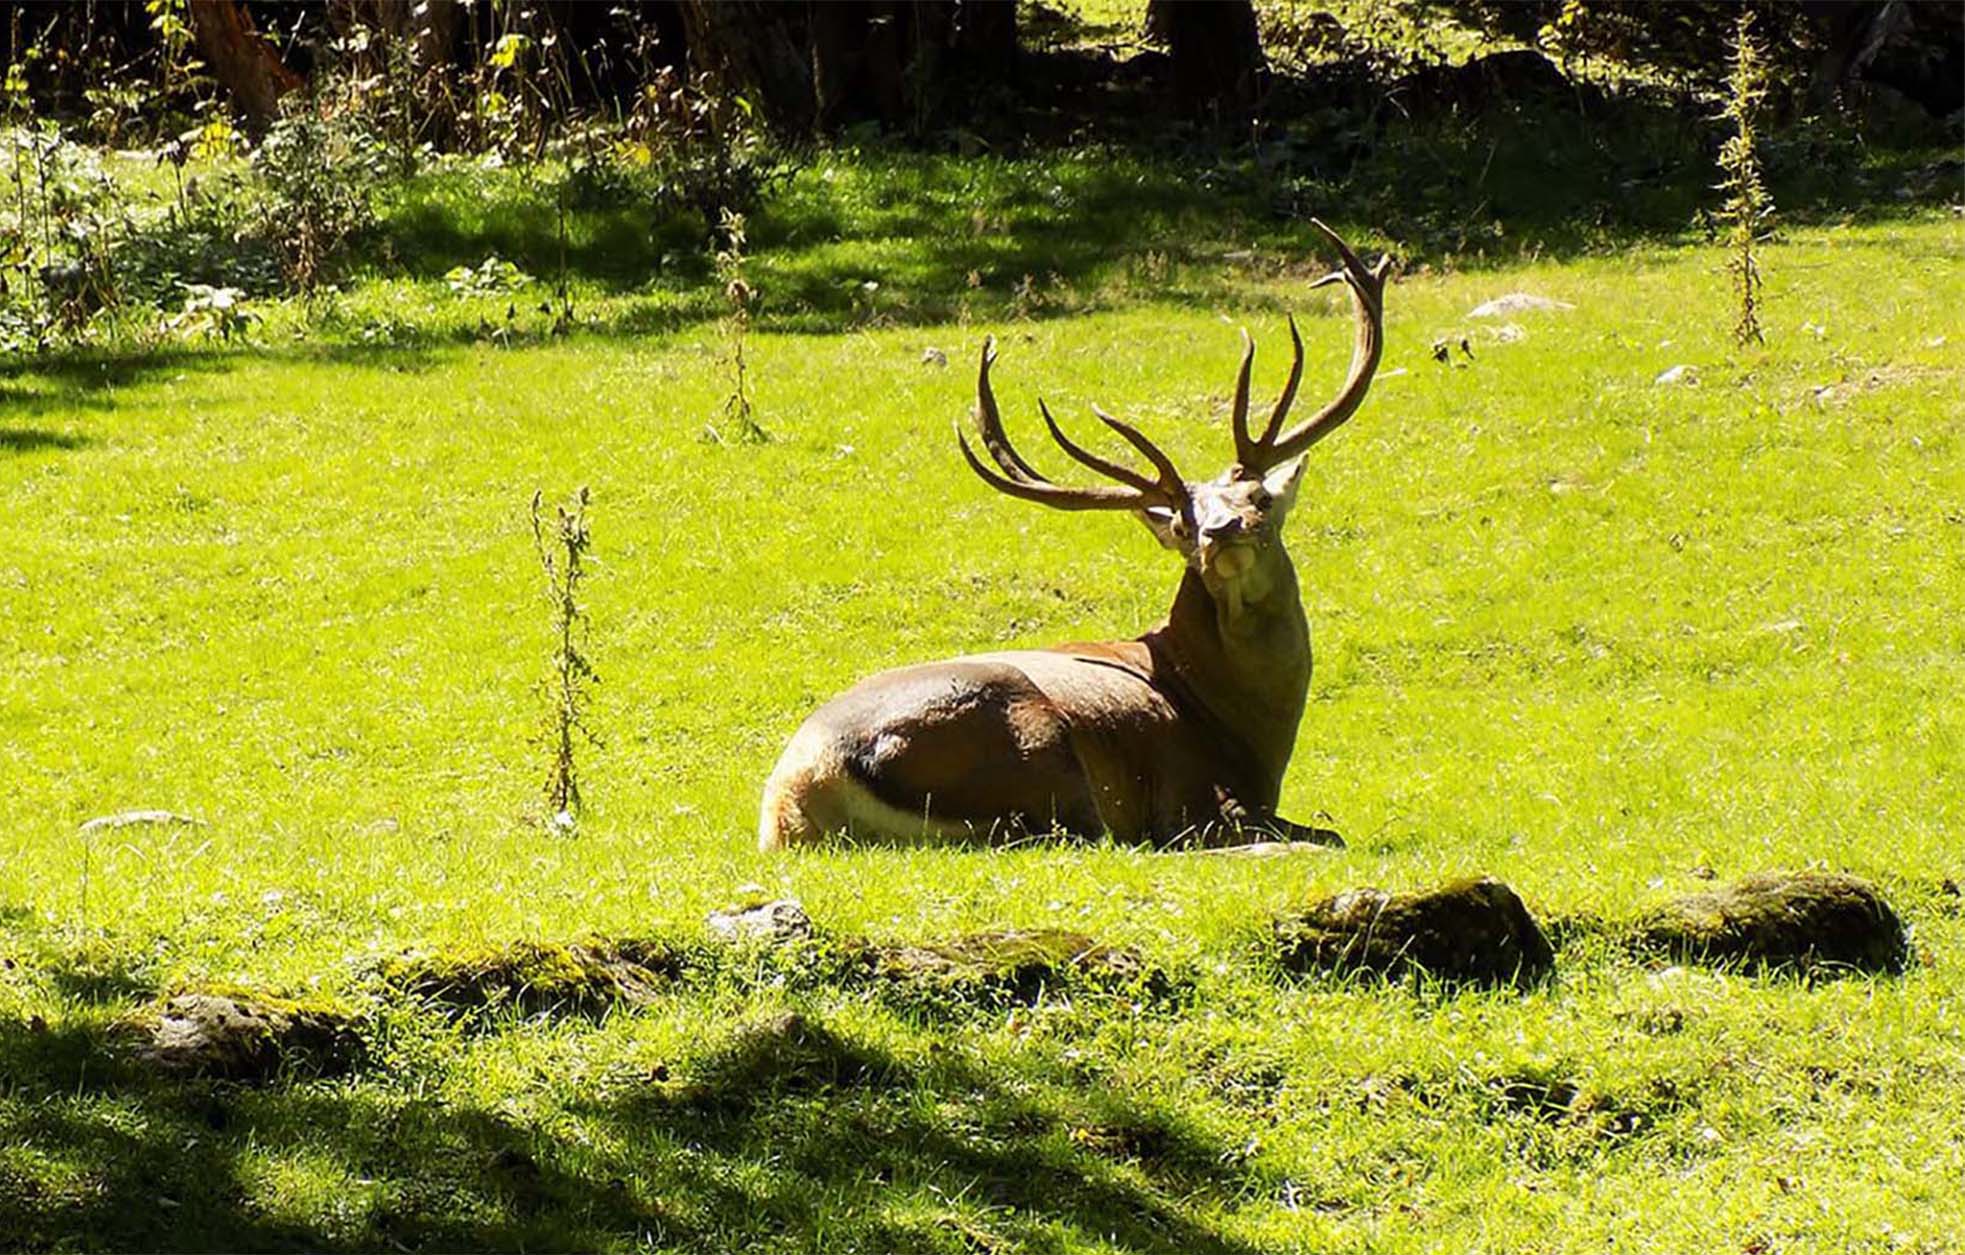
x: 1748, y: 207
x: 562, y: 547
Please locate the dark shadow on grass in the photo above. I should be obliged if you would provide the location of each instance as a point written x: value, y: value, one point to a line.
x: 60, y: 382
x: 785, y: 1135
x: 893, y: 236
x: 34, y: 439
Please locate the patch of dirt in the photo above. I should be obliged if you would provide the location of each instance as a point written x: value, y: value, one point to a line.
x: 1016, y: 966
x: 1541, y: 1097
x: 1469, y: 931
x: 247, y: 1037
x: 1816, y: 921
x: 539, y: 978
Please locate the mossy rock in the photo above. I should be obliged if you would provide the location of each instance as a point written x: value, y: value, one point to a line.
x: 1806, y: 920
x: 1009, y: 965
x: 243, y: 1036
x: 539, y: 978
x: 1471, y: 931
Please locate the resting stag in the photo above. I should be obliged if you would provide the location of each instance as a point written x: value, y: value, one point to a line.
x: 1182, y: 734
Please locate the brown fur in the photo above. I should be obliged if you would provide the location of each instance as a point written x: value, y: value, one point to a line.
x: 1184, y: 731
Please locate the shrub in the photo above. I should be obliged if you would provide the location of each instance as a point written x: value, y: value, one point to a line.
x: 682, y: 149
x: 319, y: 168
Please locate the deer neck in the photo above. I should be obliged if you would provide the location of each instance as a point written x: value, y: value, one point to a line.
x: 1244, y: 660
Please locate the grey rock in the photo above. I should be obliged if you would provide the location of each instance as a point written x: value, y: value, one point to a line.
x: 781, y: 920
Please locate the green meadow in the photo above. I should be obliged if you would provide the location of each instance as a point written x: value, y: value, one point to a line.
x: 1603, y: 637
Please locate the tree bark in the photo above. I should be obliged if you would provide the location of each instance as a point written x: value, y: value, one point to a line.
x: 243, y: 63
x: 837, y: 61
x: 759, y: 50
x: 1218, y: 67
x: 987, y: 33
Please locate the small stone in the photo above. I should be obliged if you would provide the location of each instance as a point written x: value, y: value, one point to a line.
x: 1515, y: 303
x: 1473, y: 931
x: 1809, y: 920
x: 1677, y: 375
x: 782, y: 920
x: 932, y: 356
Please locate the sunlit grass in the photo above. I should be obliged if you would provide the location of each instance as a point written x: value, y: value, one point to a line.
x: 1574, y: 628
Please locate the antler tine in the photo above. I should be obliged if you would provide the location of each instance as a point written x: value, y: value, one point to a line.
x: 1246, y: 449
x: 1017, y: 478
x: 1367, y: 285
x: 1124, y: 474
x: 989, y: 420
x: 1288, y: 397
x: 1171, y: 482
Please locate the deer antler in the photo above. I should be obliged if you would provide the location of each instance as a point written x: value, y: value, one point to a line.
x: 1367, y: 285
x: 1019, y: 479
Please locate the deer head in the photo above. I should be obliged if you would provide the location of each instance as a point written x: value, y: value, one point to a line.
x: 1225, y: 528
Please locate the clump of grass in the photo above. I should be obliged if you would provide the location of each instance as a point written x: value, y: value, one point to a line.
x: 562, y: 550
x: 738, y: 417
x: 1748, y: 206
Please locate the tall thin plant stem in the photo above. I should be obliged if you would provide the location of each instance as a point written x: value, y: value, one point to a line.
x: 1748, y: 208
x: 562, y: 548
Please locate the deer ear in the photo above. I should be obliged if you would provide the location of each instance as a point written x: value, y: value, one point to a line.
x: 1160, y: 521
x: 1282, y: 482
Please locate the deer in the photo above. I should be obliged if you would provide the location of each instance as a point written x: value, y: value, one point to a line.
x: 1180, y: 736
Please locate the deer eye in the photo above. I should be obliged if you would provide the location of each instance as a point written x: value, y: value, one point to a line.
x: 1260, y: 499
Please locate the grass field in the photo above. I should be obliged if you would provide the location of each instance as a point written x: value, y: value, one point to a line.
x: 1592, y: 634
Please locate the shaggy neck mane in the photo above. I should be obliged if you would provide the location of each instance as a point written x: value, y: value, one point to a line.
x: 1245, y: 664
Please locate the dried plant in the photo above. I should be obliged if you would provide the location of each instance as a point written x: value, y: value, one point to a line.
x: 1748, y: 208
x: 562, y: 547
x: 738, y: 418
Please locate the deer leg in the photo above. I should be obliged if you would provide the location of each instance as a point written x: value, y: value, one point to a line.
x: 1239, y: 825
x: 1288, y: 830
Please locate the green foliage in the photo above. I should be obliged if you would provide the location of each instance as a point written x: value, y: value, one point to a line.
x: 319, y: 170
x: 58, y: 229
x: 494, y: 276
x: 216, y: 313
x: 683, y: 148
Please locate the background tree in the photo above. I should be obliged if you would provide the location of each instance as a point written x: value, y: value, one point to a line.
x: 1216, y: 49
x: 248, y: 67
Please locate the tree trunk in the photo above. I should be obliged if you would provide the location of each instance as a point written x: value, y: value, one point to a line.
x: 1218, y: 67
x: 987, y: 34
x: 759, y: 50
x: 243, y: 63
x: 825, y: 64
